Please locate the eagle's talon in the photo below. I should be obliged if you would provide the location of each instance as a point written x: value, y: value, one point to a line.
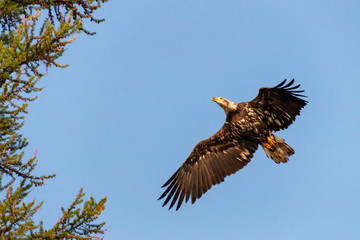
x: 271, y: 144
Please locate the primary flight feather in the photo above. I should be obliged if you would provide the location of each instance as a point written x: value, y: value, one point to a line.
x: 247, y: 125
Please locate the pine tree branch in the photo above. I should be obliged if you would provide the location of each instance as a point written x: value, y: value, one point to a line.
x: 16, y: 215
x: 22, y: 58
x: 57, y: 9
x: 22, y: 52
x: 77, y: 222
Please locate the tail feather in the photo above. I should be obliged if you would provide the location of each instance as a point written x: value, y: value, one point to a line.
x: 281, y: 152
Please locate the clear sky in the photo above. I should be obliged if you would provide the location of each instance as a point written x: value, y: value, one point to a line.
x: 136, y: 99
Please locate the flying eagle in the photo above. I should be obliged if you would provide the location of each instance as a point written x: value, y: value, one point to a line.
x: 247, y: 125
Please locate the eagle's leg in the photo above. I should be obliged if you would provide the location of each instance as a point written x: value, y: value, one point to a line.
x: 270, y: 144
x: 277, y: 149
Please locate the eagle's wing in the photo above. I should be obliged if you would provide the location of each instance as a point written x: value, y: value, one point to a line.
x: 208, y: 164
x: 279, y: 106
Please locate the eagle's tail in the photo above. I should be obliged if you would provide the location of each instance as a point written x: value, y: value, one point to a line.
x: 281, y: 152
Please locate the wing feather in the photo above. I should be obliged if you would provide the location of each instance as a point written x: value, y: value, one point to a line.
x: 207, y: 165
x: 279, y: 106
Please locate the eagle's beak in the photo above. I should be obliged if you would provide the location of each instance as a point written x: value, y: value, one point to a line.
x: 215, y: 99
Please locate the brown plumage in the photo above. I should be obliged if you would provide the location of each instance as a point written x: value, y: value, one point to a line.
x: 247, y: 125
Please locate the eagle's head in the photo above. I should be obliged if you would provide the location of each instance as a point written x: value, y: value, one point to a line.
x: 227, y: 105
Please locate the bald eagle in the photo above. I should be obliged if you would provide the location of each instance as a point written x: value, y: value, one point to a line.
x: 247, y: 125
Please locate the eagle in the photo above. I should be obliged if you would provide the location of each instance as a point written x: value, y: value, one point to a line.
x: 247, y: 125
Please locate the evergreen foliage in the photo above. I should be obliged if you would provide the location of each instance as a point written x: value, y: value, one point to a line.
x: 28, y: 42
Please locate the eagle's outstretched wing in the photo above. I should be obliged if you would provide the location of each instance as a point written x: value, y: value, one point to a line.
x: 208, y: 164
x: 278, y: 106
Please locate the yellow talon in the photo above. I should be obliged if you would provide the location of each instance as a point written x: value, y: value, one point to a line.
x: 271, y: 144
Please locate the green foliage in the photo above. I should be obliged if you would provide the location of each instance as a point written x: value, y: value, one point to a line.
x: 16, y: 214
x: 76, y: 221
x: 24, y: 49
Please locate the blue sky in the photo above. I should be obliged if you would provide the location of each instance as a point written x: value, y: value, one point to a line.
x: 136, y: 99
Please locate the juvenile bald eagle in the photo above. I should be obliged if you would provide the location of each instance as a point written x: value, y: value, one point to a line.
x: 247, y: 125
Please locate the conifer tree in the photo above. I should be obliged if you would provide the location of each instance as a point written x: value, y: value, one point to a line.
x: 34, y: 34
